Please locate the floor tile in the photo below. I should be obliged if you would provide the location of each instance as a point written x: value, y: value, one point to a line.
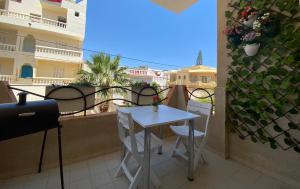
x: 101, y: 179
x: 98, y: 173
x: 81, y: 184
x: 79, y: 171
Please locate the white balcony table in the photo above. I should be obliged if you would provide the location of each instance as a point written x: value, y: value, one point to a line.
x: 146, y: 118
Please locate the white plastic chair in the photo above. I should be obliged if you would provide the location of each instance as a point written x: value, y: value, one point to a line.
x: 182, y: 132
x: 134, y: 147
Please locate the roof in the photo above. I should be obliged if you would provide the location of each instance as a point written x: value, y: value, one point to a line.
x: 197, y: 69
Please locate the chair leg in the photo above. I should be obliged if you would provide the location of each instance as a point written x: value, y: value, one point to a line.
x: 124, y: 161
x: 136, y: 179
x: 203, y: 161
x: 175, y: 147
x: 185, y: 144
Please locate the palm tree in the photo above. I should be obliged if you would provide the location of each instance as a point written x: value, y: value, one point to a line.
x: 105, y: 72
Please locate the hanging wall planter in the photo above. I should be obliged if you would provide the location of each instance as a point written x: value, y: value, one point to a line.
x: 234, y: 35
x: 250, y: 21
x: 248, y: 16
x: 251, y: 49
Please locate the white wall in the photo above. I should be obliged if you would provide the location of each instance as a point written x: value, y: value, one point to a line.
x: 26, y: 6
x: 284, y: 165
x: 75, y: 25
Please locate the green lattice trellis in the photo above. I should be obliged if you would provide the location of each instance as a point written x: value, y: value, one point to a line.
x: 263, y: 92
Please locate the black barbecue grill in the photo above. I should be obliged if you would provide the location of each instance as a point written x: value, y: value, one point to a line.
x: 26, y: 118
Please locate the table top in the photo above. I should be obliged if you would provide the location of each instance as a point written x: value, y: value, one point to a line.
x: 146, y: 117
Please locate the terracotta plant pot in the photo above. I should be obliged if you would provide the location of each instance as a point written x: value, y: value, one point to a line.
x: 251, y: 49
x: 250, y: 21
x: 104, y: 107
x: 71, y: 105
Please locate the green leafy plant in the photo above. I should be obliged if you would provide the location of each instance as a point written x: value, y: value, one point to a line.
x: 264, y: 89
x: 104, y: 72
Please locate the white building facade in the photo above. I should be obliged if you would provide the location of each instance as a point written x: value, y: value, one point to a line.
x: 41, y: 40
x: 145, y: 74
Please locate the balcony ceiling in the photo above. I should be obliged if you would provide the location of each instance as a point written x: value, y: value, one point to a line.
x: 176, y: 6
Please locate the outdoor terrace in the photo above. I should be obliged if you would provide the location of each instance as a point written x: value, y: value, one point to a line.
x: 98, y: 173
x: 39, y: 22
x: 240, y: 159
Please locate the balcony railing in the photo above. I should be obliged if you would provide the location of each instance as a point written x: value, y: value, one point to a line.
x: 8, y: 78
x: 37, y: 80
x: 7, y: 47
x: 33, y: 18
x: 50, y: 81
x: 57, y: 51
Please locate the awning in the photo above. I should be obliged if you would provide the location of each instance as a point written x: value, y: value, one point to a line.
x: 56, y: 1
x: 176, y: 6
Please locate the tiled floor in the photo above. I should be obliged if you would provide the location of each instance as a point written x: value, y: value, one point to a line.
x: 98, y: 173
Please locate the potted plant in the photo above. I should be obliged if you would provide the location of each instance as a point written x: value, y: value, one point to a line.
x: 137, y: 87
x: 234, y: 35
x: 156, y: 102
x: 251, y: 41
x: 266, y: 24
x: 248, y: 16
x: 65, y: 92
x: 105, y: 72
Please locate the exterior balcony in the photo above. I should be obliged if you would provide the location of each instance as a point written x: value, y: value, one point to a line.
x: 92, y: 152
x: 42, y: 53
x: 51, y: 53
x: 60, y: 3
x: 7, y: 47
x: 7, y: 50
x: 40, y: 23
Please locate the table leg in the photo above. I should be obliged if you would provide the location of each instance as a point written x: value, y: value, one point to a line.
x: 147, y: 149
x: 161, y: 136
x: 191, y: 151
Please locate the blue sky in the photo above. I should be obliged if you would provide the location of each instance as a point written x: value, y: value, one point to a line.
x: 143, y: 30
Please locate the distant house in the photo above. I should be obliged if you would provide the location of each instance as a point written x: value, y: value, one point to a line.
x: 194, y: 77
x: 148, y: 75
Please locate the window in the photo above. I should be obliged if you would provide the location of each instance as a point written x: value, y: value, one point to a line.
x: 206, y: 79
x: 179, y: 77
x: 184, y: 77
x: 77, y: 14
x: 2, y: 39
x: 195, y: 78
x: 58, y: 72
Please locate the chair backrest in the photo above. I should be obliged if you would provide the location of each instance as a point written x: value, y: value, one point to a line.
x: 126, y: 128
x: 204, y: 109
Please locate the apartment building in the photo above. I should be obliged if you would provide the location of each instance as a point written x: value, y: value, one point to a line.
x: 41, y: 40
x: 197, y: 76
